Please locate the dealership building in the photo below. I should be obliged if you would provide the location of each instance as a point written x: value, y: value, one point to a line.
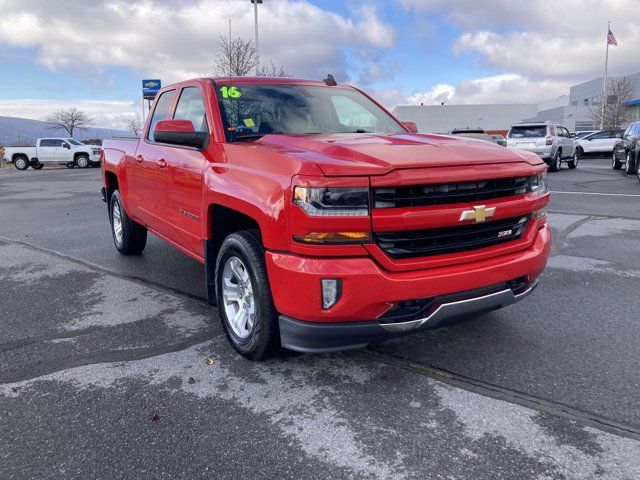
x: 572, y: 110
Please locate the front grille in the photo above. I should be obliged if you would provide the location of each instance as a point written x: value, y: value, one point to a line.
x: 437, y: 241
x: 451, y: 193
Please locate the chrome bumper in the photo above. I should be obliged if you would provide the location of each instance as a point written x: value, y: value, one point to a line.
x: 461, y: 308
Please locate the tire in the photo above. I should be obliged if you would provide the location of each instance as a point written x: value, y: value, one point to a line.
x: 615, y: 163
x: 575, y: 158
x: 82, y: 161
x: 37, y: 166
x: 70, y: 164
x: 242, y: 288
x: 556, y: 164
x: 129, y: 237
x: 630, y: 166
x: 21, y: 162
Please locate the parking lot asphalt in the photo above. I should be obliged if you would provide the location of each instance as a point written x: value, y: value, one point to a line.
x: 115, y: 367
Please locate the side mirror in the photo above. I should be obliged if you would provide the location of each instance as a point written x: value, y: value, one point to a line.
x: 66, y: 145
x: 179, y: 132
x: 411, y: 126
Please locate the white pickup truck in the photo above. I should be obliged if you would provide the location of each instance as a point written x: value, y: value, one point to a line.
x: 67, y: 151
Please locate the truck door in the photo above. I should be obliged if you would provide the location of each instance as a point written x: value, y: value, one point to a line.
x: 149, y: 164
x: 50, y: 150
x: 181, y: 202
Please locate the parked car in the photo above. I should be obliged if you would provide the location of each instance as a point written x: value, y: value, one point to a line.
x: 500, y: 139
x: 600, y: 142
x: 477, y: 133
x: 550, y: 141
x: 625, y: 150
x: 325, y: 224
x: 581, y: 133
x: 67, y: 151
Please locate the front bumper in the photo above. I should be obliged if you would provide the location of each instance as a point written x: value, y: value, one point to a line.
x: 370, y: 291
x: 309, y: 337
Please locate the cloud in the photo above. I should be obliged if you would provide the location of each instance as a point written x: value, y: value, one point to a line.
x: 107, y: 113
x: 501, y: 89
x: 179, y: 39
x: 543, y: 40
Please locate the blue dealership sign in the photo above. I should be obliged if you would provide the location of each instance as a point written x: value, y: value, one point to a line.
x: 150, y: 88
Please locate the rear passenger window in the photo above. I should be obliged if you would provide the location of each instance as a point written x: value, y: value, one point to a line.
x: 191, y: 107
x: 161, y: 111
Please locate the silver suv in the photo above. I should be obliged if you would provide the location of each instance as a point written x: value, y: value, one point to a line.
x: 549, y: 140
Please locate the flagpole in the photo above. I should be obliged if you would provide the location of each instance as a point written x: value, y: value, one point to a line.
x: 606, y: 74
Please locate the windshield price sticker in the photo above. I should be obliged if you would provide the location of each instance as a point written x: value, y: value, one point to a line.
x: 230, y: 92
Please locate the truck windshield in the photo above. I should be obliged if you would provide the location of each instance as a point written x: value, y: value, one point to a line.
x: 251, y: 111
x: 73, y: 141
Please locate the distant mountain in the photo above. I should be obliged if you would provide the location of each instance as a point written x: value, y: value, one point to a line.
x: 24, y: 131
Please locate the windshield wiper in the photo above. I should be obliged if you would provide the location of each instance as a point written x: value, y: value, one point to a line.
x: 249, y: 136
x: 361, y: 131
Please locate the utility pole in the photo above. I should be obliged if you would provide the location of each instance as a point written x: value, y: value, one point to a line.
x: 230, y: 52
x: 604, y: 85
x: 255, y: 15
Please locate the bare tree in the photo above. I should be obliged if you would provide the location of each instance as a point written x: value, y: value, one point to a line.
x: 237, y: 58
x: 272, y: 71
x: 615, y: 115
x: 69, y: 120
x: 135, y: 126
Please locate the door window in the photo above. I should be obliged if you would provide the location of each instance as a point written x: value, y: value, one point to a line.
x: 599, y: 135
x: 161, y: 111
x: 191, y: 107
x: 50, y: 142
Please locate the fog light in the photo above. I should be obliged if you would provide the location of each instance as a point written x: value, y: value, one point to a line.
x: 331, y: 292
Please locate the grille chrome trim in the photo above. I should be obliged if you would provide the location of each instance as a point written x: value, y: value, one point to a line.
x: 451, y: 193
x: 461, y: 238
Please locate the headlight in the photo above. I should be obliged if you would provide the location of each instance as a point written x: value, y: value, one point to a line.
x: 539, y: 183
x: 331, y: 202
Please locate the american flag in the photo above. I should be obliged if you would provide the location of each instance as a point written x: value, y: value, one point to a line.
x: 611, y: 39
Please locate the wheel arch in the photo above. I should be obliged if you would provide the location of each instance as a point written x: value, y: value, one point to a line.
x: 221, y: 222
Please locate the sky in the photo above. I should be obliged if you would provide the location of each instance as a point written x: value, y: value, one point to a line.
x: 93, y: 54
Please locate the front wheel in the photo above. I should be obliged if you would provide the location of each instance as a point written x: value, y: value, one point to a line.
x: 21, y: 163
x: 615, y: 163
x: 573, y: 163
x: 129, y: 237
x: 556, y: 163
x: 247, y: 312
x: 630, y: 166
x: 82, y: 161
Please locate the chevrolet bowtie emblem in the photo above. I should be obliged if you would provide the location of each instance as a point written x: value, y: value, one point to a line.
x: 479, y: 214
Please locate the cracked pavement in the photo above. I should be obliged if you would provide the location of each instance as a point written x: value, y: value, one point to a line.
x: 104, y: 372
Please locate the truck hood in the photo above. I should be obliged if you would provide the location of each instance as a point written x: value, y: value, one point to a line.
x: 371, y: 154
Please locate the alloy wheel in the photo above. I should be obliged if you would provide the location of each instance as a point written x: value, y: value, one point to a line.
x: 237, y: 293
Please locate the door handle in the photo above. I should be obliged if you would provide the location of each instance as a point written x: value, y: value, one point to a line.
x: 139, y: 158
x: 161, y: 163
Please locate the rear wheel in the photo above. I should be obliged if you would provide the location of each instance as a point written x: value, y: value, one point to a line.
x: 556, y: 163
x: 129, y: 237
x: 21, y: 162
x: 615, y: 163
x: 247, y: 312
x: 82, y: 161
x: 37, y: 166
x: 573, y: 163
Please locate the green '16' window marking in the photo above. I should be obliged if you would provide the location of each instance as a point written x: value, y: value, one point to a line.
x: 230, y: 92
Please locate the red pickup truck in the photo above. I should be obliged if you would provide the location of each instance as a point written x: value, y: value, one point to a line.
x: 323, y: 222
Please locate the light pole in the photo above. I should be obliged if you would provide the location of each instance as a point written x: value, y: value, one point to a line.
x: 255, y: 14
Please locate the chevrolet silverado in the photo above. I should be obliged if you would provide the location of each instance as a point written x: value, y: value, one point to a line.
x: 323, y: 222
